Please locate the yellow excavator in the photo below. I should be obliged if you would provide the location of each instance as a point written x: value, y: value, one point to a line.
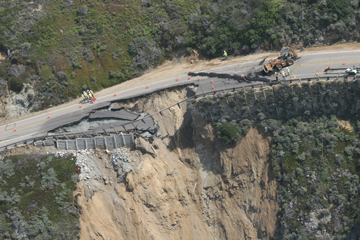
x: 286, y: 58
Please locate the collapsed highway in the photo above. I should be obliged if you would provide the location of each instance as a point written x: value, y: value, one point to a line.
x: 105, y: 119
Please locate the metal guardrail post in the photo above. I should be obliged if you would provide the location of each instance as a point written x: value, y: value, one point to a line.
x: 105, y: 143
x: 114, y: 137
x: 114, y: 129
x: 123, y: 138
x: 105, y: 131
x: 134, y: 126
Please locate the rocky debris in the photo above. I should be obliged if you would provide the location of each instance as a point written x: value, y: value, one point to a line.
x: 122, y: 163
x: 2, y: 87
x: 129, y: 181
x: 103, y: 168
x: 16, y: 70
x: 316, y: 217
x: 19, y: 104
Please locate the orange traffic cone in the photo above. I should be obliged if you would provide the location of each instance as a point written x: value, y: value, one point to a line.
x: 213, y: 88
x: 14, y: 130
x: 177, y: 79
x: 80, y: 106
x: 212, y: 81
x: 344, y: 63
x: 199, y: 79
x: 48, y: 117
x: 147, y: 87
x: 115, y: 95
x: 189, y: 78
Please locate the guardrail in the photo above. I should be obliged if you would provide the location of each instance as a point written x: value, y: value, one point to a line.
x: 114, y: 128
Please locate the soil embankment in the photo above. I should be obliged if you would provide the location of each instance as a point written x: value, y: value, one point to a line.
x: 184, y: 184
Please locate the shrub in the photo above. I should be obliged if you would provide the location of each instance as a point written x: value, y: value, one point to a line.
x: 49, y: 180
x: 73, y: 75
x: 301, y: 157
x: 103, y: 48
x: 93, y: 81
x: 16, y: 84
x: 7, y: 168
x: 245, y: 125
x: 299, y: 172
x: 302, y: 190
x: 112, y: 74
x: 325, y: 176
x: 144, y: 52
x: 76, y: 64
x: 348, y: 151
x: 42, y: 165
x: 61, y: 76
x: 229, y: 132
x: 83, y: 10
x: 339, y: 159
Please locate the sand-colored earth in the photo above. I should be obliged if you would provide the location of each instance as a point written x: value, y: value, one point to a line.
x: 346, y: 125
x: 2, y: 57
x: 187, y: 191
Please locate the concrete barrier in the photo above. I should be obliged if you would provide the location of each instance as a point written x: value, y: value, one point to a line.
x: 109, y: 142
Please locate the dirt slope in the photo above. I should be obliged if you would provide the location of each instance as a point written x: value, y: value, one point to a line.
x: 182, y: 190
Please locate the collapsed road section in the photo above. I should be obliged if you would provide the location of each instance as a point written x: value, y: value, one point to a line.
x: 105, y: 120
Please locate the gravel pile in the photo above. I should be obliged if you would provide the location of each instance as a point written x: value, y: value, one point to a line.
x: 122, y: 162
x: 93, y: 173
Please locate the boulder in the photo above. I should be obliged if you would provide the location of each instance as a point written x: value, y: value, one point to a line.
x: 144, y: 146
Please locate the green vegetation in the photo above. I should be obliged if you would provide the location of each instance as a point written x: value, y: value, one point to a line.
x: 317, y: 164
x: 101, y: 43
x: 232, y: 132
x: 229, y: 132
x: 315, y: 159
x: 36, y: 199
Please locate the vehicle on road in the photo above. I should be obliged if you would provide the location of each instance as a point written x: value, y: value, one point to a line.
x: 348, y: 71
x: 351, y: 71
x: 286, y: 58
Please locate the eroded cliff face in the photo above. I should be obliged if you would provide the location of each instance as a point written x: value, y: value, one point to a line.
x: 185, y: 184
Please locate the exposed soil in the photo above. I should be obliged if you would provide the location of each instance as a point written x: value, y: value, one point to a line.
x: 346, y: 125
x: 182, y: 190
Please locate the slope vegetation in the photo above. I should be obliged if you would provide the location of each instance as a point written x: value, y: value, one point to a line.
x: 63, y: 47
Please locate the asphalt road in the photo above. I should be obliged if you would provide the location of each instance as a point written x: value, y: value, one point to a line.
x: 308, y: 65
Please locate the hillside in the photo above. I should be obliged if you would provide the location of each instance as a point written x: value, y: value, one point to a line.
x: 60, y: 48
x: 276, y: 162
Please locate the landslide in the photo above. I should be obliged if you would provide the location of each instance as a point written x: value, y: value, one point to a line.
x: 185, y: 184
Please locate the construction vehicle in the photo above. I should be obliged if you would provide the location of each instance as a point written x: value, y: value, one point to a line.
x: 286, y: 58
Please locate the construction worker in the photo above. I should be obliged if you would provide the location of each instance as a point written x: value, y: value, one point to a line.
x: 92, y: 93
x: 83, y: 97
x: 86, y: 97
x: 283, y: 74
x: 276, y: 76
x: 288, y: 71
x: 225, y: 55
